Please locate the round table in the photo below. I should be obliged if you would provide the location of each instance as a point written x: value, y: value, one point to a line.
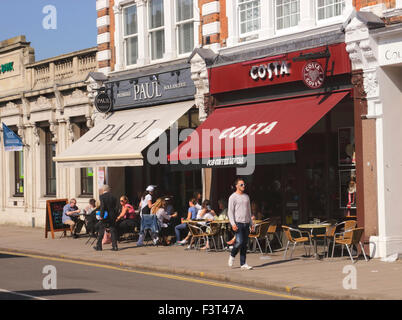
x: 313, y: 226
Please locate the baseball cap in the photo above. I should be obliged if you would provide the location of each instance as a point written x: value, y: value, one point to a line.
x: 150, y: 188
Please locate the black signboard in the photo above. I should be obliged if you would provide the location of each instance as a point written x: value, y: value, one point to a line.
x: 156, y: 88
x: 103, y: 103
x: 54, y: 216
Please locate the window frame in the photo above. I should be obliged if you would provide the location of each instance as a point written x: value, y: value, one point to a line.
x: 249, y: 33
x: 326, y: 21
x: 127, y: 37
x: 154, y: 30
x: 48, y: 143
x: 18, y: 156
x: 83, y: 177
x: 287, y: 29
x: 177, y: 24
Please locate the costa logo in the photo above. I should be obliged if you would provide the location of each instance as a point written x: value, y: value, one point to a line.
x: 313, y: 75
x: 253, y: 129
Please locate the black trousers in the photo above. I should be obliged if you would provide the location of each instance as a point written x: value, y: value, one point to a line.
x: 126, y: 226
x: 101, y: 232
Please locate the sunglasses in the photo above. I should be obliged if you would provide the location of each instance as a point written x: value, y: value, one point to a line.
x: 242, y: 185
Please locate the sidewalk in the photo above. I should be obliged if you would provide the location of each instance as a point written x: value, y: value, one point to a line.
x: 305, y: 277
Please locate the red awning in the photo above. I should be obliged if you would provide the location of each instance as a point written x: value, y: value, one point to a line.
x: 273, y: 126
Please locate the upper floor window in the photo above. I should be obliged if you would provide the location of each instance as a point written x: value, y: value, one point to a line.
x: 287, y: 13
x: 156, y: 29
x: 131, y: 34
x: 329, y: 8
x: 185, y: 25
x: 249, y: 15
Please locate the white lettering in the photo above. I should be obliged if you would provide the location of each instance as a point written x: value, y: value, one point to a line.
x: 224, y: 133
x: 276, y: 68
x: 268, y: 128
x: 237, y: 132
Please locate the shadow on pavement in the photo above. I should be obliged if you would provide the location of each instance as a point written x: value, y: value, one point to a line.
x: 8, y: 256
x: 54, y: 292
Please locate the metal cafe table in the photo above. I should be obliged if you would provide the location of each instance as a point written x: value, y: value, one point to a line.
x: 313, y: 226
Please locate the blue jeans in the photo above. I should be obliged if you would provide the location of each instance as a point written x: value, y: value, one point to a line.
x: 178, y: 228
x: 241, y: 242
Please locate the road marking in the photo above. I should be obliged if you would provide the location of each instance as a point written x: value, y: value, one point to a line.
x: 22, y: 294
x: 157, y: 274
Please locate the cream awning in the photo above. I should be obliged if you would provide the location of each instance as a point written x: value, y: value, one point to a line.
x: 117, y: 140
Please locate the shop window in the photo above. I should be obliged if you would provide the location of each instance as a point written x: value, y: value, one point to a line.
x: 131, y: 34
x: 87, y: 175
x: 19, y: 173
x: 329, y: 8
x: 156, y: 29
x: 185, y: 25
x: 50, y: 164
x: 249, y: 16
x: 287, y: 13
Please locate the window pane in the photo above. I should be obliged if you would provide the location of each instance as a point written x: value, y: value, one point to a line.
x: 186, y: 38
x: 50, y: 164
x: 330, y: 8
x: 130, y: 19
x: 19, y: 172
x: 157, y: 44
x: 156, y: 14
x: 184, y: 10
x: 249, y: 15
x: 132, y: 50
x: 287, y: 13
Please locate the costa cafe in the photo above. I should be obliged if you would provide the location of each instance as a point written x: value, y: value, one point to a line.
x: 289, y: 108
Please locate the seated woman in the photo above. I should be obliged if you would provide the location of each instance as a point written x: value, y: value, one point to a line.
x: 191, y: 215
x: 90, y: 217
x: 158, y: 208
x: 207, y: 214
x: 127, y: 220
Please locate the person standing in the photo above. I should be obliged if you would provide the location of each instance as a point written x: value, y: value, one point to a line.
x: 108, y: 202
x: 239, y: 212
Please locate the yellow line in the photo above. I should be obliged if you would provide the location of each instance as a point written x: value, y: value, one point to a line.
x: 157, y: 274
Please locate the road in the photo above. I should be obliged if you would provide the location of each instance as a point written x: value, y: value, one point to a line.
x: 30, y: 277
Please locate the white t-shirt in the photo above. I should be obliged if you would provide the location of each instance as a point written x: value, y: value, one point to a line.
x: 144, y: 202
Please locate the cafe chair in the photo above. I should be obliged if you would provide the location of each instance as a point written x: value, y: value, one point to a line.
x: 295, y: 240
x: 327, y: 236
x: 349, y: 238
x: 271, y: 232
x: 213, y: 230
x: 260, y: 233
x: 198, y: 235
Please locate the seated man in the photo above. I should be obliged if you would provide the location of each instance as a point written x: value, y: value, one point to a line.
x: 71, y: 217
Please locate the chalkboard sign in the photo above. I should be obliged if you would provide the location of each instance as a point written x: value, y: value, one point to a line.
x: 54, y: 216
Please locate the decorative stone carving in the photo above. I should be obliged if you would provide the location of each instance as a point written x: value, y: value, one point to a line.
x: 199, y: 74
x: 36, y: 133
x: 53, y: 129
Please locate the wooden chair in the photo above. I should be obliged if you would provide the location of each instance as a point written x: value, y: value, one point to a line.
x: 272, y: 232
x: 260, y: 233
x: 197, y: 235
x: 350, y: 238
x: 287, y: 230
x: 213, y: 230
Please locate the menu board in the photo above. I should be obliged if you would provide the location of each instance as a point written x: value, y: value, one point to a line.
x: 54, y: 216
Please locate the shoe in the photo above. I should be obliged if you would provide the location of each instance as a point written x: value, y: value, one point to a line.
x: 140, y: 244
x: 115, y: 249
x: 246, y: 267
x: 155, y: 241
x: 188, y: 248
x: 231, y: 260
x: 182, y: 242
x: 96, y: 248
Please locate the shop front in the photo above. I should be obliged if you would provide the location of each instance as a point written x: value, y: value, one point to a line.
x: 139, y: 115
x: 285, y: 122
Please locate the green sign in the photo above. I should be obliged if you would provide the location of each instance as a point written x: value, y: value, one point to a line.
x: 7, y: 67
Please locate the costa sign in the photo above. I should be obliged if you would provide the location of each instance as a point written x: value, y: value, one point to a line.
x: 253, y: 129
x: 313, y: 75
x: 270, y: 70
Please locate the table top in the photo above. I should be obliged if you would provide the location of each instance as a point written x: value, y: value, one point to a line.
x: 314, y: 226
x: 220, y: 221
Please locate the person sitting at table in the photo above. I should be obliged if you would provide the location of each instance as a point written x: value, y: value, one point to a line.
x: 90, y: 217
x: 191, y: 215
x: 158, y: 208
x: 256, y: 213
x: 127, y: 219
x: 71, y: 217
x: 223, y: 207
x: 206, y: 212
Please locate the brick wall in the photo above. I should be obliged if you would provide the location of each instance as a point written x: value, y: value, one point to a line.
x: 365, y: 3
x: 211, y: 12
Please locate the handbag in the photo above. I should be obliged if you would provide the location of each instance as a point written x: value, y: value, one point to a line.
x: 107, y: 238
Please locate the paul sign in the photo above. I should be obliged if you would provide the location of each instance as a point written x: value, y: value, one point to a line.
x: 313, y: 75
x: 103, y: 103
